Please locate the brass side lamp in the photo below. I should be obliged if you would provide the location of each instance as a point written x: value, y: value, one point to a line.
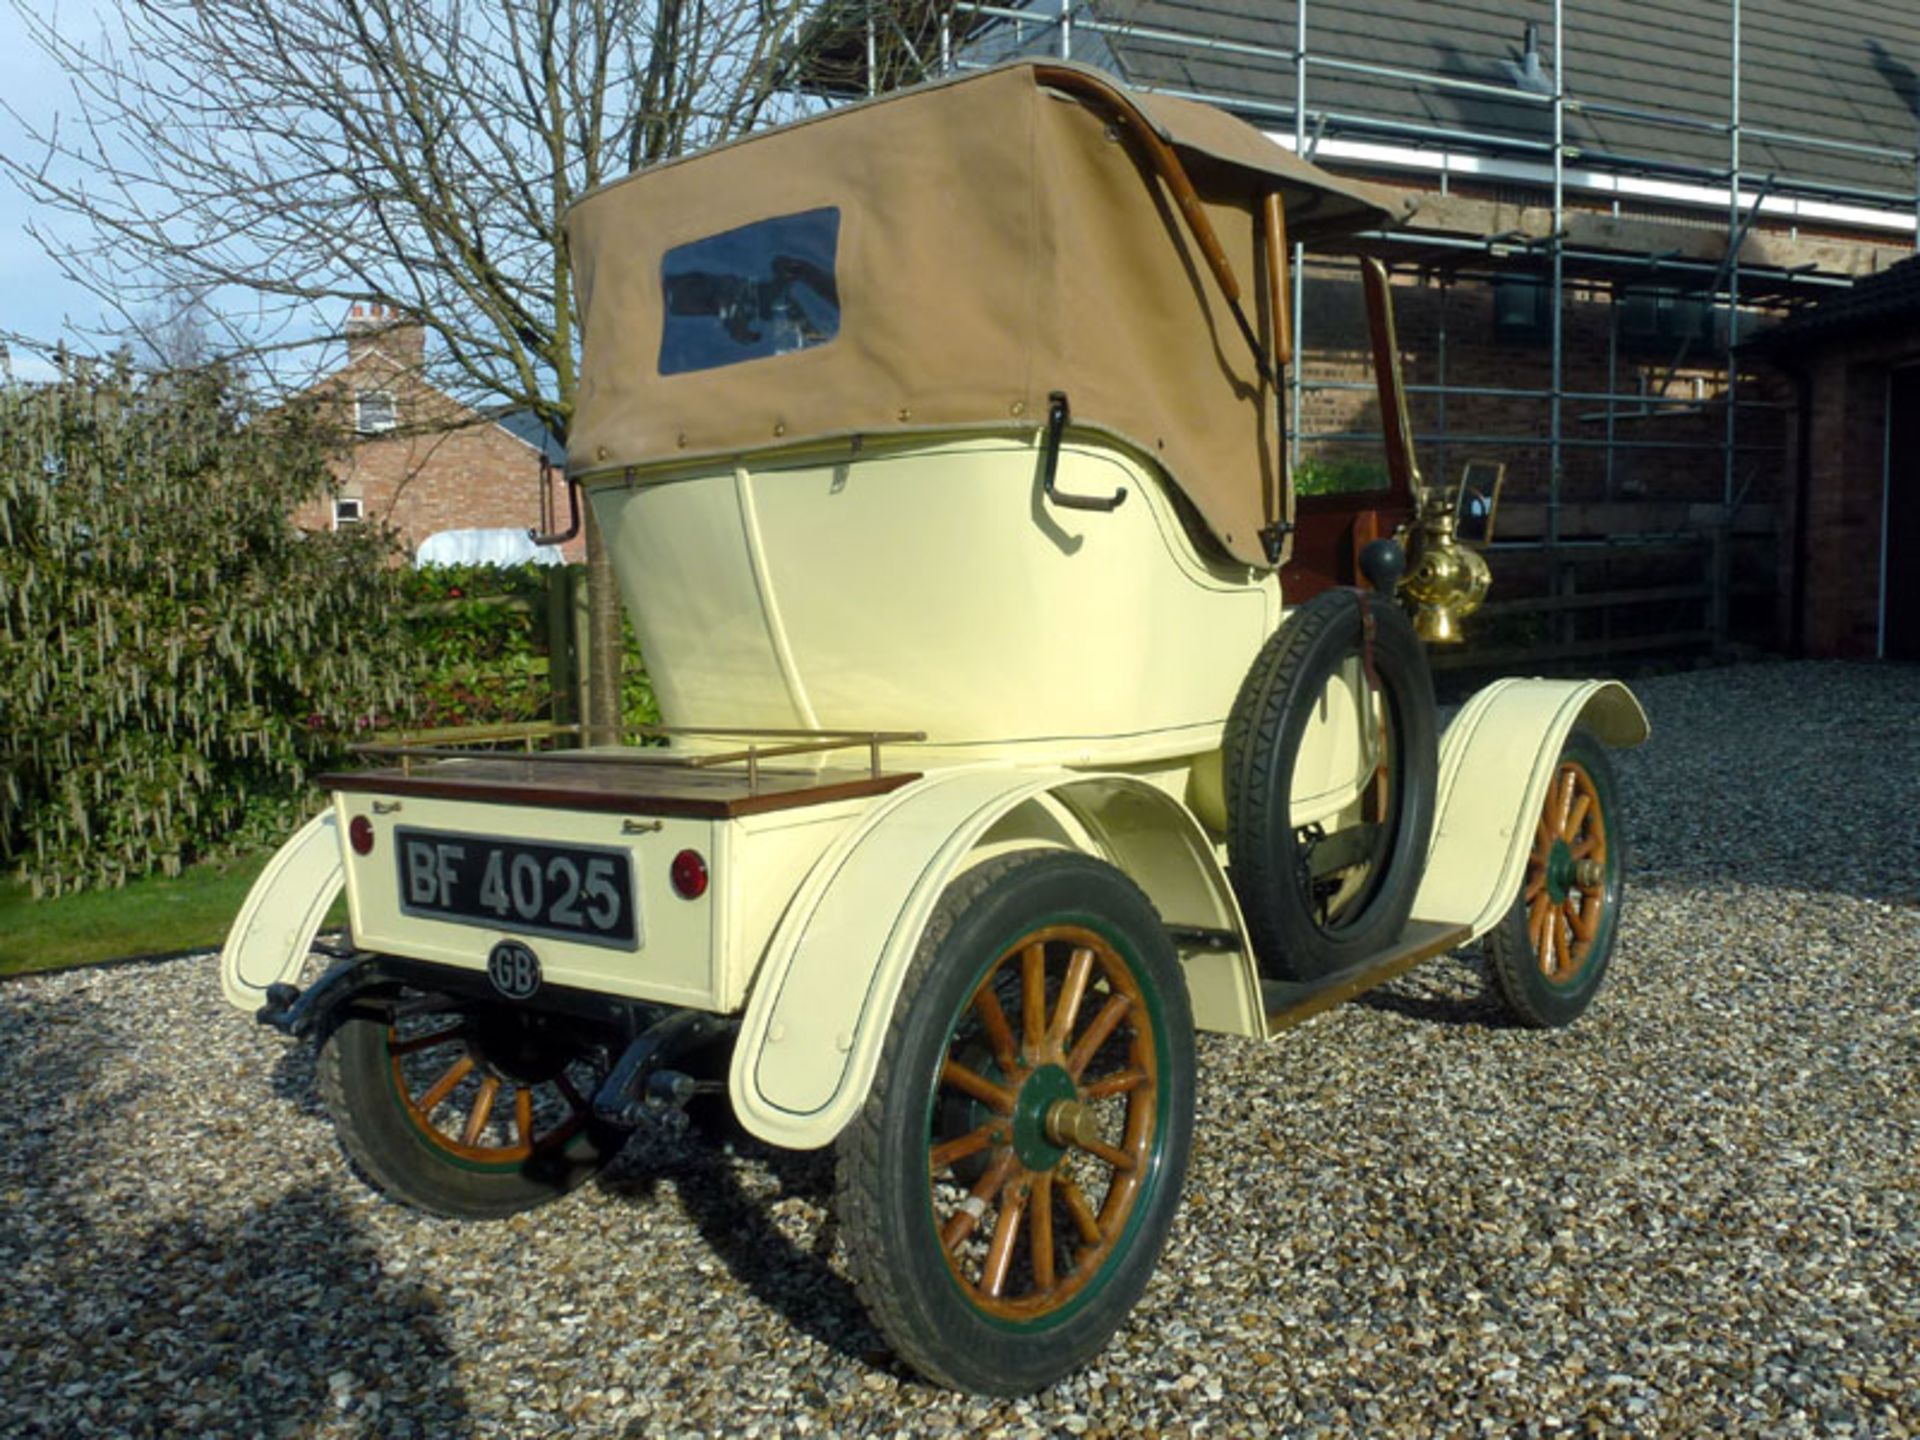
x: 1447, y: 577
x: 1444, y: 581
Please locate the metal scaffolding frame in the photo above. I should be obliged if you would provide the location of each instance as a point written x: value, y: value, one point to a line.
x: 1723, y: 281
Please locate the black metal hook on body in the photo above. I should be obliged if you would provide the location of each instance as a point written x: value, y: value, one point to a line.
x: 1058, y: 413
x: 558, y: 537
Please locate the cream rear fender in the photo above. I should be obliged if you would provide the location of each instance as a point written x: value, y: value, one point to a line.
x: 1496, y: 761
x: 273, y: 933
x: 810, y: 1040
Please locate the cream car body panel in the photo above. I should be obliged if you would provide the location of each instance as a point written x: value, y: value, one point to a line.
x: 672, y: 961
x: 811, y: 1037
x: 1496, y: 761
x: 274, y: 931
x: 1339, y: 748
x: 699, y: 953
x: 930, y: 586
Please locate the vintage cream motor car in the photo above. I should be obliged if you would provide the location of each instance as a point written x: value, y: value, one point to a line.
x: 937, y: 444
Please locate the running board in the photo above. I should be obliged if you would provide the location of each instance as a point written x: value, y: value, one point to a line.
x: 1288, y: 1002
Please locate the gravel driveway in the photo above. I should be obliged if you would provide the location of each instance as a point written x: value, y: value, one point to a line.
x: 1697, y: 1210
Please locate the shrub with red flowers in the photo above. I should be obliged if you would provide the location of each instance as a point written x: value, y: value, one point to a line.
x: 477, y: 645
x: 480, y: 648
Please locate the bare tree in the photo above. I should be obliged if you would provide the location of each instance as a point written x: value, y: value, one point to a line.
x: 309, y: 154
x: 177, y: 334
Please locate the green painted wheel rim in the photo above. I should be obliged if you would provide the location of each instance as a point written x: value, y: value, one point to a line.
x: 1037, y: 1158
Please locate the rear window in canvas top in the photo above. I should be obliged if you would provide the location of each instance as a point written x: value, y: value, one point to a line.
x: 764, y: 289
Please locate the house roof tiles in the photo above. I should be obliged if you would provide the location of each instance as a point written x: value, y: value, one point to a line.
x: 1843, y: 71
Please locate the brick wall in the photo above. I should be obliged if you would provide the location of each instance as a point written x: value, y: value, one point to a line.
x: 1845, y: 503
x: 1649, y: 457
x: 1663, y: 472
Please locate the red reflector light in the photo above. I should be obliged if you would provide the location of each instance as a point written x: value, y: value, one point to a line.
x: 360, y: 835
x: 689, y: 875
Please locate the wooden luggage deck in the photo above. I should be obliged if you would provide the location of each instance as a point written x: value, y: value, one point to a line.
x: 720, y: 785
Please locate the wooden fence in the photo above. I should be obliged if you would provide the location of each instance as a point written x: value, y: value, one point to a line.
x: 1624, y: 580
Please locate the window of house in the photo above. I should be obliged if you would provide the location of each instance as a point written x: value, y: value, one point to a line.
x: 1660, y: 321
x: 346, y: 511
x: 764, y: 289
x: 373, y: 411
x: 1522, y: 308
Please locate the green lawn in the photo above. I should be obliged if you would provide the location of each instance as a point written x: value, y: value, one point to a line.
x: 148, y: 917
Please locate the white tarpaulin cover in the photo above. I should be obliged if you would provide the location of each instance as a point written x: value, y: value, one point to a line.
x: 484, y: 547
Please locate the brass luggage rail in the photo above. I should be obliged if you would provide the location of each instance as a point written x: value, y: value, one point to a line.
x: 760, y: 746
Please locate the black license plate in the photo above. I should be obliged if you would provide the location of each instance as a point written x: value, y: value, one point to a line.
x: 577, y: 892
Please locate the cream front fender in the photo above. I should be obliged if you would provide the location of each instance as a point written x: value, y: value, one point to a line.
x: 274, y: 930
x: 810, y: 1040
x: 1496, y: 761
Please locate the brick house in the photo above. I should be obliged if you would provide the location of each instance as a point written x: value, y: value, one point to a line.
x: 1614, y: 197
x: 423, y: 462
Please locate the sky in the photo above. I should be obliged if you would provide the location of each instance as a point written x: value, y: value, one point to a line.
x: 35, y: 299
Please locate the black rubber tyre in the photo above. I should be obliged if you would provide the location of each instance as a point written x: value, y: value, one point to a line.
x: 1549, y: 953
x: 1304, y: 928
x: 404, y: 1098
x: 995, y: 1252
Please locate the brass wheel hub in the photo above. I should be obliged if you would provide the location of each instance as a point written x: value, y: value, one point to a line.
x: 1071, y: 1124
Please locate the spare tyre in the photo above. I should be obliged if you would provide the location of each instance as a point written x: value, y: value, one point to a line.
x: 1330, y: 762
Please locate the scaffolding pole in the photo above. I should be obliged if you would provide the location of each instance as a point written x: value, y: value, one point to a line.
x: 873, y: 53
x: 1679, y: 403
x: 1443, y: 458
x: 1613, y: 385
x: 1296, y: 396
x: 1534, y: 442
x: 1561, y: 576
x: 1736, y: 233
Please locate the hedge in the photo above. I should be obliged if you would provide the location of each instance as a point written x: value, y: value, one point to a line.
x: 175, y: 658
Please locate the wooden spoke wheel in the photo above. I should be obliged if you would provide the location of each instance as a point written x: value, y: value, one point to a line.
x: 1550, y: 952
x: 465, y: 1108
x: 1041, y: 1064
x: 487, y: 1094
x: 1063, y: 1115
x: 1566, y: 891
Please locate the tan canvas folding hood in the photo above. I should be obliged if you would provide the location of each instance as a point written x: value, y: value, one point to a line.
x: 960, y: 252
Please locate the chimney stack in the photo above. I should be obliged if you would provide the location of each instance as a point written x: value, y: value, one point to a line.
x: 387, y: 330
